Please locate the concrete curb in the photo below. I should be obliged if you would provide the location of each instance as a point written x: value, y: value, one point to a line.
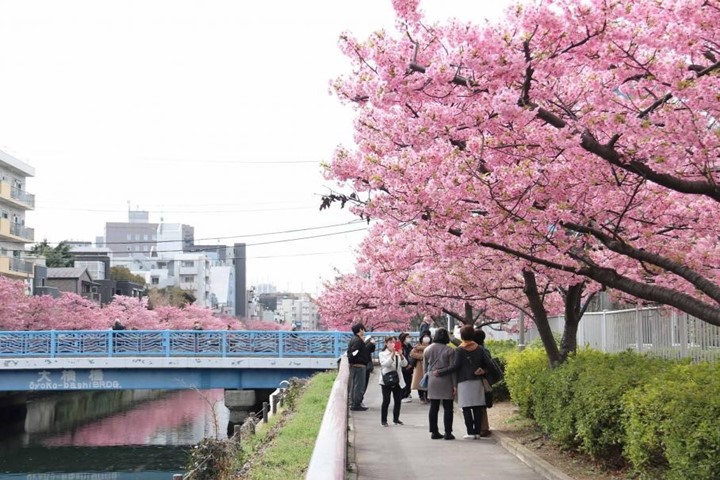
x: 525, y: 455
x: 351, y: 468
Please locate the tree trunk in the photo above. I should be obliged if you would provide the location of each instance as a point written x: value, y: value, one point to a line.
x: 469, y: 319
x: 573, y: 313
x: 541, y: 318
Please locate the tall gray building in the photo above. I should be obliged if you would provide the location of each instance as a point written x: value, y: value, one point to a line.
x: 137, y: 235
x: 240, y: 263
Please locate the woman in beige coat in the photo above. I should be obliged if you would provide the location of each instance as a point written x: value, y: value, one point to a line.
x: 417, y: 355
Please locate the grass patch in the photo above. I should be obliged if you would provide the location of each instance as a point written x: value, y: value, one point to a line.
x: 288, y: 455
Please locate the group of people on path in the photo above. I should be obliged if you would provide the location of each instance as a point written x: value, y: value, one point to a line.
x: 465, y: 372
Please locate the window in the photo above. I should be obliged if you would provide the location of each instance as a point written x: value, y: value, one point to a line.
x: 129, y: 236
x: 145, y: 237
x: 155, y: 280
x: 187, y: 278
x: 188, y: 263
x: 137, y: 236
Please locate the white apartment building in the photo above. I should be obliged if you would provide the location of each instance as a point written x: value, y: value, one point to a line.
x: 14, y: 202
x: 192, y: 271
x: 301, y: 312
x: 222, y: 288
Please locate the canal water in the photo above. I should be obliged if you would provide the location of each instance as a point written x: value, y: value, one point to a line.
x: 108, y: 435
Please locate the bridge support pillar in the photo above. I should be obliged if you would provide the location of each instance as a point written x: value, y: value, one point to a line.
x: 239, y: 402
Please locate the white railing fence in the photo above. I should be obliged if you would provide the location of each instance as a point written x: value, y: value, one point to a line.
x: 656, y: 330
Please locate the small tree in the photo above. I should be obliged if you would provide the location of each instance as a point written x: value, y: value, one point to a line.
x: 55, y: 257
x: 124, y: 274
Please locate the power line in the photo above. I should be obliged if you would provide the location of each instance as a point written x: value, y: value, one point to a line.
x: 270, y: 242
x: 163, y: 211
x: 235, y: 162
x: 250, y: 235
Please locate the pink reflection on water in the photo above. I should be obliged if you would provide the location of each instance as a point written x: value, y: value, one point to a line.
x: 146, y: 421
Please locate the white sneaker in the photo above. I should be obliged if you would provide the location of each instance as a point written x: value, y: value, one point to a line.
x: 406, y: 400
x: 469, y: 437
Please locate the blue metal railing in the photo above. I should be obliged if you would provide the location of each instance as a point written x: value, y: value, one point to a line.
x: 177, y: 343
x: 172, y: 343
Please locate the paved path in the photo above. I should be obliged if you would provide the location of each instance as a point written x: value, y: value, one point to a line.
x: 407, y: 452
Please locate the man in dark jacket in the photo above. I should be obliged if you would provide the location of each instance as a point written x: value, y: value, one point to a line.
x: 358, y: 355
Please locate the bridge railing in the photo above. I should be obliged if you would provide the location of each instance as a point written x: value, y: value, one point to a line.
x: 172, y: 343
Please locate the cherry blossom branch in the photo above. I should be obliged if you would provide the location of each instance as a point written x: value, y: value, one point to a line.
x: 616, y: 245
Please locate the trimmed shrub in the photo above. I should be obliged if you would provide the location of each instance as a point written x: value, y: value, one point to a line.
x: 521, y: 373
x: 672, y: 424
x: 553, y: 407
x: 602, y: 380
x: 500, y: 350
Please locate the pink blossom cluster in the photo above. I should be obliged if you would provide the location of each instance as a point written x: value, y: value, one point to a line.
x: 575, y: 142
x: 19, y: 311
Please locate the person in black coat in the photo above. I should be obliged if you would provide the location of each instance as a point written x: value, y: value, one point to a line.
x: 358, y: 355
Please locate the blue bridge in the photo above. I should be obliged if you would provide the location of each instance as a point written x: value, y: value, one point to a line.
x: 162, y: 359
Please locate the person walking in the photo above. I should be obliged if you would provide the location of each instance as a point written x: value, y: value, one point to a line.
x: 441, y: 389
x: 416, y: 357
x: 392, y: 383
x: 469, y: 366
x: 358, y: 356
x: 407, y: 372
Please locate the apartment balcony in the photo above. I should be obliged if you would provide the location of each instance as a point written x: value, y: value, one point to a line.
x: 10, y: 231
x: 15, y: 267
x: 15, y: 196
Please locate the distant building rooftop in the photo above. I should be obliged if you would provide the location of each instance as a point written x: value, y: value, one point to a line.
x: 67, y: 272
x: 22, y: 167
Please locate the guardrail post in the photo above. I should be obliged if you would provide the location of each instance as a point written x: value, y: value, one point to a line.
x: 281, y: 340
x: 336, y: 337
x: 265, y: 411
x: 274, y: 404
x: 166, y: 339
x: 223, y: 343
x: 52, y: 343
x: 110, y: 343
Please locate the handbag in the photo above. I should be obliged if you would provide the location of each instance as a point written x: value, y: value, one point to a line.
x: 488, y: 393
x: 423, y: 383
x: 391, y: 378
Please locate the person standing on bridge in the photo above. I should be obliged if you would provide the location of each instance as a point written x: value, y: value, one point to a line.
x: 358, y: 355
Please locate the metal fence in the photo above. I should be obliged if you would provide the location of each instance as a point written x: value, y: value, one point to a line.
x: 659, y: 331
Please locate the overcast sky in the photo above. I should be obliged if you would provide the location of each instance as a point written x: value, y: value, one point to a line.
x: 210, y: 113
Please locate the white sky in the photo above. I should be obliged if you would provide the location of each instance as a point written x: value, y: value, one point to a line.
x: 187, y: 109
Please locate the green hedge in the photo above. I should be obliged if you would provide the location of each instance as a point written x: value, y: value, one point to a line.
x: 662, y: 418
x: 500, y: 350
x: 672, y: 424
x: 521, y: 372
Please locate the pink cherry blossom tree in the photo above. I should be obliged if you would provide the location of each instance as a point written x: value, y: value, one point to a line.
x: 576, y: 137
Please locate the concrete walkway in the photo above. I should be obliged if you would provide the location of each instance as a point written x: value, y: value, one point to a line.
x: 407, y: 452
